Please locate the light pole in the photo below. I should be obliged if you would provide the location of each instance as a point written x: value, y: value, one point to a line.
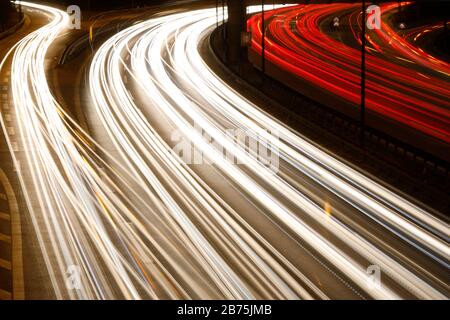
x: 401, y: 25
x: 263, y: 42
x: 20, y: 10
x: 363, y: 73
x: 223, y: 20
x: 217, y: 14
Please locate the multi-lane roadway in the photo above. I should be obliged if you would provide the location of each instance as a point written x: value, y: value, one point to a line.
x: 178, y: 187
x: 406, y: 87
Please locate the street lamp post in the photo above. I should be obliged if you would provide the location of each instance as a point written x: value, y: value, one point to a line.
x: 217, y: 14
x: 363, y: 73
x: 223, y: 20
x: 19, y: 3
x: 263, y: 42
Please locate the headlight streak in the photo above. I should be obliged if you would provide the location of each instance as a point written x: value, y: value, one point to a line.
x: 84, y: 224
x: 150, y: 227
x: 44, y: 135
x: 122, y: 118
x: 33, y: 104
x: 118, y: 43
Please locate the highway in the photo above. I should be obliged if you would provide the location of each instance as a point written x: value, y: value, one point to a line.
x: 21, y: 251
x: 404, y: 83
x: 185, y: 189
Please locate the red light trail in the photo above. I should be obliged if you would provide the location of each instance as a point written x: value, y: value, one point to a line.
x: 403, y: 83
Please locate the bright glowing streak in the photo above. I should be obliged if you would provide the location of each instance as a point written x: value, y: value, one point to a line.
x: 125, y: 123
x: 149, y: 226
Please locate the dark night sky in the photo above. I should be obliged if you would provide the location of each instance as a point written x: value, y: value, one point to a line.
x: 424, y: 10
x: 427, y: 7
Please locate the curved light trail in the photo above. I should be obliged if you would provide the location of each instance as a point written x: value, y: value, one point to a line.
x: 64, y: 194
x: 297, y: 41
x: 421, y: 34
x: 145, y: 224
x: 168, y: 69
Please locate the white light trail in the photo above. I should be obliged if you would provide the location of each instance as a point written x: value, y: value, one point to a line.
x: 165, y: 62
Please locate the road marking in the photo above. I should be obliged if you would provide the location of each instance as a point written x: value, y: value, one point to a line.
x: 5, y: 264
x: 5, y: 295
x: 5, y: 238
x: 4, y: 216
